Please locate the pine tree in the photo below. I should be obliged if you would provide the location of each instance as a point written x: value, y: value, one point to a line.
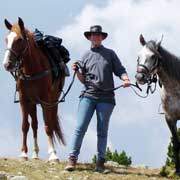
x: 94, y: 159
x: 170, y: 154
x: 108, y: 154
x: 115, y: 156
x: 170, y: 162
x: 123, y: 159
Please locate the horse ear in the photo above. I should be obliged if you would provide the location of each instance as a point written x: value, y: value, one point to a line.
x: 7, y: 24
x: 159, y: 43
x: 142, y: 40
x: 21, y: 24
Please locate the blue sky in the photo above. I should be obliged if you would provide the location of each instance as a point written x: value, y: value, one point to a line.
x: 135, y: 126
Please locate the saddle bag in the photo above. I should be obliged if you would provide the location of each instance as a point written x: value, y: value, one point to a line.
x: 54, y: 50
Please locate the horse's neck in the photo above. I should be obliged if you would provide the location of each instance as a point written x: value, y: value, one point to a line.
x: 34, y: 60
x: 167, y: 82
x: 167, y: 72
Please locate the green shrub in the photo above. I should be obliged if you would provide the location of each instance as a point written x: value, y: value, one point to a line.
x: 120, y: 158
x: 169, y: 167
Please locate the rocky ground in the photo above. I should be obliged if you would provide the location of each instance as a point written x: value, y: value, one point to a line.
x: 13, y: 169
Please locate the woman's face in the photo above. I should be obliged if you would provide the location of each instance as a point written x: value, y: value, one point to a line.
x: 96, y: 39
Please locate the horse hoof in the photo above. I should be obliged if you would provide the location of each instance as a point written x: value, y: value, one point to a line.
x: 35, y: 156
x: 53, y: 162
x: 23, y: 158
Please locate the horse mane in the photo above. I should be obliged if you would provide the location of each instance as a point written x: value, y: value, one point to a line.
x: 170, y: 63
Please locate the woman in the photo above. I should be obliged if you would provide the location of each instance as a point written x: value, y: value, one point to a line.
x: 97, y: 67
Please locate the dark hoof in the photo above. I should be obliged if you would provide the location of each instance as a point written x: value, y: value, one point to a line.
x: 53, y: 162
x: 70, y: 168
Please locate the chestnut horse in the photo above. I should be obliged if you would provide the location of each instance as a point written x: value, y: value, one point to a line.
x: 35, y: 85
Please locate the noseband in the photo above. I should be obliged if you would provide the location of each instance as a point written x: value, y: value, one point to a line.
x: 150, y: 76
x: 18, y: 58
x: 148, y: 71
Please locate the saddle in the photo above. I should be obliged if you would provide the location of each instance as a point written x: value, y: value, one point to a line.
x: 56, y: 53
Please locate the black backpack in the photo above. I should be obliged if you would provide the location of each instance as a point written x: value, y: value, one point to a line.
x: 53, y: 49
x: 53, y: 45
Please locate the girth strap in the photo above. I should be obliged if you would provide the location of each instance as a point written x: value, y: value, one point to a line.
x: 34, y: 77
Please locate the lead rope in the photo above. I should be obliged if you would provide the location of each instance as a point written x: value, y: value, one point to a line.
x: 51, y: 105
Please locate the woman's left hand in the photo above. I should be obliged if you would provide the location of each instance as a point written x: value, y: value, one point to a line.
x: 126, y: 83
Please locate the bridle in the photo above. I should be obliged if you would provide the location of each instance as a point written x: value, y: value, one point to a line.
x: 18, y: 58
x: 18, y: 64
x: 151, y: 77
x: 148, y: 71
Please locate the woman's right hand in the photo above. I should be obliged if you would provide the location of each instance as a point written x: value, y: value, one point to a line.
x: 75, y: 67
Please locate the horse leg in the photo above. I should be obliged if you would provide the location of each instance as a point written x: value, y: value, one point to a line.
x: 34, y: 125
x: 175, y: 141
x: 25, y: 129
x: 51, y: 150
x: 47, y: 113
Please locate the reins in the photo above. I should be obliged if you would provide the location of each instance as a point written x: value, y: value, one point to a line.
x: 133, y: 86
x: 50, y: 105
x: 151, y: 80
x: 62, y: 99
x: 54, y: 103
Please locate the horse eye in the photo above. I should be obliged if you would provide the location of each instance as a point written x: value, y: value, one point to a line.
x: 153, y: 56
x: 19, y: 40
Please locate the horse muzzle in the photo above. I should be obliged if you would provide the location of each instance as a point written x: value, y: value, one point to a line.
x: 141, y: 78
x: 9, y: 67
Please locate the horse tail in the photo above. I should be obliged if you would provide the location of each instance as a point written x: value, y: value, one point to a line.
x: 53, y: 127
x: 58, y: 131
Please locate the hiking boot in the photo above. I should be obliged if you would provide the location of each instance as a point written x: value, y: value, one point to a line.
x: 71, y: 164
x: 100, y: 166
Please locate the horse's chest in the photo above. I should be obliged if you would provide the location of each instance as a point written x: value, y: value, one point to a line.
x: 33, y: 89
x: 171, y: 103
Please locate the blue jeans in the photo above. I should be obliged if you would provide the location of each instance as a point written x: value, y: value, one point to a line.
x: 86, y: 109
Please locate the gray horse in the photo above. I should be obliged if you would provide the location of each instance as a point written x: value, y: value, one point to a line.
x: 154, y: 59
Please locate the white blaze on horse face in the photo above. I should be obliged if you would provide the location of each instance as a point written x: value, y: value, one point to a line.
x: 10, y: 40
x: 144, y: 54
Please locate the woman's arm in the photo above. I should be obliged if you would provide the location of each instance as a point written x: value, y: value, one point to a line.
x: 79, y: 74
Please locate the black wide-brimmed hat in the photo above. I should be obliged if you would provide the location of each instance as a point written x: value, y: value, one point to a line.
x: 95, y: 29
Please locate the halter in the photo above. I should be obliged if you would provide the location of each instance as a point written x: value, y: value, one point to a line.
x: 19, y: 58
x: 151, y: 78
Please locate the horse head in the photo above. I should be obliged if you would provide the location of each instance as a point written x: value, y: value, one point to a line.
x: 148, y: 60
x: 17, y: 45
